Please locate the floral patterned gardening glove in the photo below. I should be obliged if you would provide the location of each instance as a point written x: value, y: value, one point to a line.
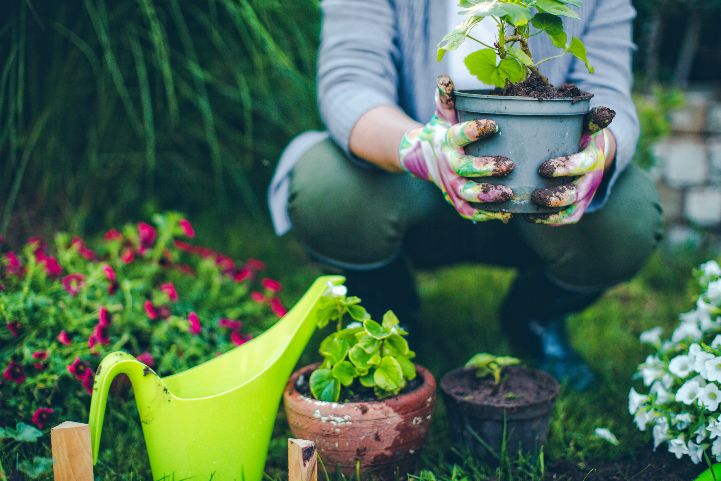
x: 586, y: 166
x: 435, y: 153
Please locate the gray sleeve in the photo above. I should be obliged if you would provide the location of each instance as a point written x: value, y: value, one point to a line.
x: 608, y: 38
x: 356, y: 64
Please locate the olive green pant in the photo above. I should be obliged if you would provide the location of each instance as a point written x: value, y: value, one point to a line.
x: 360, y: 219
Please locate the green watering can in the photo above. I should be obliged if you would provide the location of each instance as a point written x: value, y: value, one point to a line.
x: 214, y: 421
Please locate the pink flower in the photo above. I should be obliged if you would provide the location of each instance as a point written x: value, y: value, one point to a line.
x: 183, y: 246
x: 146, y: 358
x: 104, y: 317
x: 15, y: 373
x: 52, y: 267
x: 257, y: 297
x: 242, y: 274
x: 42, y: 416
x: 194, y: 323
x: 64, y: 338
x: 14, y: 266
x: 127, y: 255
x: 277, y: 307
x: 169, y: 289
x: 255, y: 264
x: 39, y: 357
x: 87, y: 381
x: 78, y: 368
x: 271, y: 285
x: 72, y: 283
x: 82, y: 248
x: 14, y: 328
x: 225, y: 263
x: 112, y: 235
x: 150, y: 310
x: 109, y: 273
x: 230, y: 324
x: 187, y: 228
x: 239, y: 339
x: 146, y: 235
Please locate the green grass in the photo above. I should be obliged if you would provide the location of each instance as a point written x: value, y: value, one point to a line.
x: 457, y: 304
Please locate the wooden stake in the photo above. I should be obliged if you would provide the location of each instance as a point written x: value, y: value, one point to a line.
x: 302, y: 460
x: 72, y: 454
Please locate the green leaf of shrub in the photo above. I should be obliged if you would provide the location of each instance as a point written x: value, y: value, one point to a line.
x: 367, y: 380
x: 395, y: 345
x: 390, y: 320
x: 407, y: 367
x: 553, y: 26
x: 556, y: 8
x: 482, y: 64
x: 37, y: 467
x: 359, y: 357
x: 388, y: 376
x: 578, y: 49
x: 26, y: 433
x: 358, y: 313
x: 516, y: 14
x: 521, y: 56
x: 324, y: 386
x: 344, y: 372
x: 375, y: 330
x: 334, y: 348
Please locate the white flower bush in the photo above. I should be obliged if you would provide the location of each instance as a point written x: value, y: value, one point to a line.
x: 680, y: 402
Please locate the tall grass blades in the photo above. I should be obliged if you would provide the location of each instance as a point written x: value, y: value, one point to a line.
x: 108, y: 108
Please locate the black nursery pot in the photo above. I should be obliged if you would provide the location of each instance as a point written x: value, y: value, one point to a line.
x: 477, y: 421
x: 531, y: 131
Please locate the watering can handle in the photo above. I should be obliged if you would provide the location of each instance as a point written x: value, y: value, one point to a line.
x: 113, y: 364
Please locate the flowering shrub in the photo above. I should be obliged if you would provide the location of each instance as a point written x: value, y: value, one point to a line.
x: 147, y: 289
x: 680, y: 404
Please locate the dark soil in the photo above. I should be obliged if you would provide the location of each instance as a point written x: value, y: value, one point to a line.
x: 356, y: 393
x: 534, y: 86
x: 520, y: 386
x: 646, y: 466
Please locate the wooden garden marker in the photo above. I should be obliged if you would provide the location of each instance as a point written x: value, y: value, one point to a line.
x: 302, y: 460
x: 72, y: 454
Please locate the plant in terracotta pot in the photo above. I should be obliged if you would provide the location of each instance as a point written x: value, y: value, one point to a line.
x: 366, y: 405
x: 496, y: 405
x: 536, y: 120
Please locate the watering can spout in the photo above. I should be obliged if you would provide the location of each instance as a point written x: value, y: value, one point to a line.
x: 149, y: 391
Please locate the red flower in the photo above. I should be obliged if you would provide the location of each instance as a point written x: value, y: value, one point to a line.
x: 14, y: 328
x: 169, y: 289
x: 15, y: 373
x: 64, y: 338
x: 194, y: 322
x: 146, y: 358
x: 230, y: 324
x: 104, y: 317
x: 52, y: 267
x: 99, y: 336
x: 42, y: 416
x: 255, y: 264
x: 163, y: 312
x: 225, y: 263
x: 146, y: 235
x: 14, y: 266
x: 40, y: 356
x: 271, y: 284
x: 78, y: 368
x: 112, y: 235
x: 239, y: 339
x: 72, y: 283
x: 242, y: 274
x: 127, y: 255
x: 109, y: 273
x: 150, y: 310
x: 82, y: 248
x: 38, y: 246
x: 183, y: 246
x: 257, y: 297
x: 87, y: 381
x: 277, y: 307
x: 187, y: 228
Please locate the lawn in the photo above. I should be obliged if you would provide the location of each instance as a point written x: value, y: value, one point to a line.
x: 456, y: 305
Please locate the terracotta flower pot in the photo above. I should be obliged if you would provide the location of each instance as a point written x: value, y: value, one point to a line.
x: 479, y: 411
x: 383, y: 436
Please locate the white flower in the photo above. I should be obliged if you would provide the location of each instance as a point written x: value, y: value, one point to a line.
x: 689, y: 392
x: 606, y: 435
x: 701, y: 434
x: 336, y: 291
x: 662, y: 394
x: 714, y: 292
x: 642, y: 418
x: 677, y: 447
x: 681, y: 366
x: 699, y: 363
x: 652, y: 336
x: 716, y: 448
x: 651, y: 370
x: 713, y: 369
x: 716, y: 342
x: 660, y: 432
x: 635, y: 400
x: 711, y: 269
x: 682, y: 421
x: 687, y: 330
x: 695, y: 452
x: 714, y: 427
x: 704, y: 311
x: 710, y: 397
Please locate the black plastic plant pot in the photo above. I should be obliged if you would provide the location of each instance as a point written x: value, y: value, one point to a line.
x: 490, y: 420
x: 531, y: 131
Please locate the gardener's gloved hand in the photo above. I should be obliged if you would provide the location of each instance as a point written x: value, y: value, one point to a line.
x: 586, y: 166
x: 434, y: 152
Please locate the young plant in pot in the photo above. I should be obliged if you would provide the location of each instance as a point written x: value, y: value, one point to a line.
x: 366, y: 405
x: 537, y: 122
x: 498, y: 407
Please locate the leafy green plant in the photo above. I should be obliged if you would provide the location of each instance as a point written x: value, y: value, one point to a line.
x: 509, y: 59
x: 363, y: 356
x: 489, y: 365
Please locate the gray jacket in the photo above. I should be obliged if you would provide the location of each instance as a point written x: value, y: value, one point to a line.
x: 383, y: 52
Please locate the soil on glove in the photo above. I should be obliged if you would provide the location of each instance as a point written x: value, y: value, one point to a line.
x: 520, y: 386
x: 535, y: 87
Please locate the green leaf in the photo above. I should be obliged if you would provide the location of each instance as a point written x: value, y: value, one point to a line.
x: 375, y: 330
x: 37, y: 467
x: 553, y: 26
x: 344, y: 372
x: 324, y: 386
x: 480, y: 360
x: 521, y: 56
x: 390, y: 320
x: 482, y: 64
x: 407, y: 367
x: 578, y: 49
x: 556, y: 7
x: 360, y: 358
x: 505, y: 361
x: 334, y: 348
x: 395, y: 345
x: 369, y: 344
x: 516, y: 14
x: 26, y: 433
x: 367, y: 380
x: 358, y: 313
x: 388, y: 376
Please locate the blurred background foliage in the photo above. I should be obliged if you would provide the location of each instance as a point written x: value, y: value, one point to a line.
x: 111, y: 109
